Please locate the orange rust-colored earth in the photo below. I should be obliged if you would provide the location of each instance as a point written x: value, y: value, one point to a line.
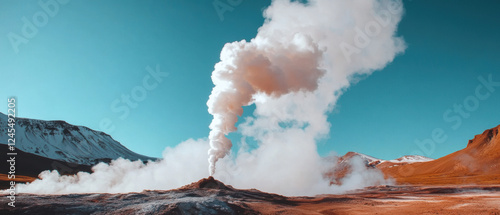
x: 478, y: 163
x: 464, y: 182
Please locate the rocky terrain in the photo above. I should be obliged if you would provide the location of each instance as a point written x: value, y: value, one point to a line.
x: 209, y: 196
x: 464, y: 182
x: 477, y: 163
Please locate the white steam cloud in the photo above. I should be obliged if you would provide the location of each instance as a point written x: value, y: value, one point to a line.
x: 294, y: 70
x: 301, y: 57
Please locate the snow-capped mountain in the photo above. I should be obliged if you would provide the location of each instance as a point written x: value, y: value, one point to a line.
x: 60, y: 140
x: 411, y: 159
x: 372, y: 161
x: 344, y: 164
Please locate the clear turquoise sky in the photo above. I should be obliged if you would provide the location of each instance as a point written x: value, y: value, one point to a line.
x: 85, y: 56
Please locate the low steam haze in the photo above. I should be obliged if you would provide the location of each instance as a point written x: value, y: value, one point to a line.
x: 302, y: 59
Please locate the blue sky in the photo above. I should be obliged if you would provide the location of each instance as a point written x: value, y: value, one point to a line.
x: 89, y: 54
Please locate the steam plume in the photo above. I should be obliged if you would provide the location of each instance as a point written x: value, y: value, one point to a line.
x: 298, y: 45
x: 294, y: 70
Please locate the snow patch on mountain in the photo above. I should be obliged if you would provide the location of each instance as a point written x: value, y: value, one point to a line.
x: 372, y: 161
x: 60, y: 140
x: 411, y: 159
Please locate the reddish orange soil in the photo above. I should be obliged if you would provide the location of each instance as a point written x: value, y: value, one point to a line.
x: 478, y: 163
x: 5, y: 181
x: 417, y: 200
x: 209, y: 196
x: 451, y: 199
x: 464, y: 182
x: 19, y: 178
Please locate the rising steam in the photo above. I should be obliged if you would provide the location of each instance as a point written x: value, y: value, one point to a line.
x: 302, y: 59
x: 295, y: 47
x: 274, y: 68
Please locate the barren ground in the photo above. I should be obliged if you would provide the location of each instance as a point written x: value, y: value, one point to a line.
x: 209, y: 196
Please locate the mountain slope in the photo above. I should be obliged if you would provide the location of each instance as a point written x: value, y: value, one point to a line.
x: 411, y: 159
x: 65, y: 142
x: 478, y: 163
x: 372, y: 161
x: 29, y: 166
x: 344, y: 164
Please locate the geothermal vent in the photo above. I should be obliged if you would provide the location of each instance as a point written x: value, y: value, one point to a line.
x: 207, y: 183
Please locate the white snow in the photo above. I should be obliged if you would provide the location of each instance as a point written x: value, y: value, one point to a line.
x: 62, y: 141
x: 411, y: 159
x: 404, y: 159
